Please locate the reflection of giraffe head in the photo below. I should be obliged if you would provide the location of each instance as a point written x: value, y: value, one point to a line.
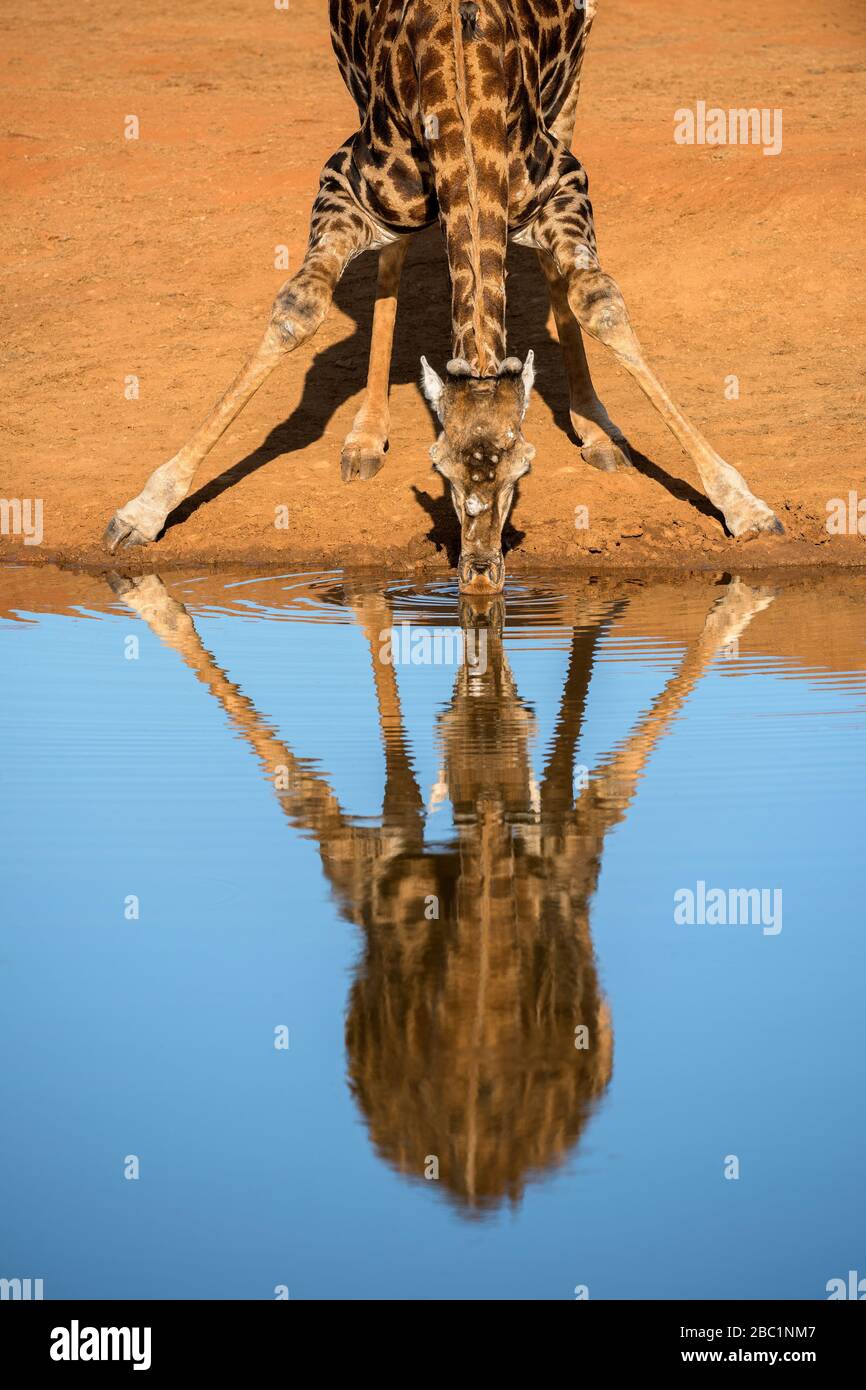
x: 481, y: 452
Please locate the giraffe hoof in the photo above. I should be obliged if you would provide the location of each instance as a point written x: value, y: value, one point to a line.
x: 771, y: 527
x: 608, y: 456
x: 360, y: 463
x: 119, y: 533
x: 757, y: 521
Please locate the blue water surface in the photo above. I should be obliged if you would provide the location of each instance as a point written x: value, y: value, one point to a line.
x: 143, y: 777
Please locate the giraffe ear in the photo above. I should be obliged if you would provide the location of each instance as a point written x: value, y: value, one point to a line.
x: 528, y: 377
x: 431, y: 384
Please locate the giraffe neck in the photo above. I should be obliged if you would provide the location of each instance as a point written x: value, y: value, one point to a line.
x: 464, y: 109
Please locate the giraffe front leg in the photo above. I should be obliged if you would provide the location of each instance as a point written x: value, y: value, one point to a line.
x: 602, y: 443
x: 564, y: 230
x: 140, y: 520
x: 600, y: 309
x: 338, y: 232
x: 364, y: 449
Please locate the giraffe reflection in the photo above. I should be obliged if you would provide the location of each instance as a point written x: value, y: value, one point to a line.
x: 478, y: 1037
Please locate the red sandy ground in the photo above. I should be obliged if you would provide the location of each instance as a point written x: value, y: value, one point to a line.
x: 155, y: 257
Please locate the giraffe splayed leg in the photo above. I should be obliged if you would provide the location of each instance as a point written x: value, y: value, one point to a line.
x: 339, y: 231
x: 564, y: 232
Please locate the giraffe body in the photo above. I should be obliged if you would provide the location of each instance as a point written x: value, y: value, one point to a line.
x: 466, y: 115
x: 456, y: 124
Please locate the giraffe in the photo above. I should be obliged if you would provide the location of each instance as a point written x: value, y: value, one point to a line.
x: 466, y: 114
x: 462, y: 1028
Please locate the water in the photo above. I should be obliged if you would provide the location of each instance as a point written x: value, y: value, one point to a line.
x: 229, y: 824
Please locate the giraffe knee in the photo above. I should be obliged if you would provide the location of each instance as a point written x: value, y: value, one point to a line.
x: 299, y: 310
x: 599, y: 307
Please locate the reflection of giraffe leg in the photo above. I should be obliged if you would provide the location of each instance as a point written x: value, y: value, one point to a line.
x: 354, y: 857
x: 564, y: 230
x: 402, y: 798
x: 338, y: 232
x: 305, y: 795
x: 364, y: 449
x: 557, y: 785
x: 614, y: 782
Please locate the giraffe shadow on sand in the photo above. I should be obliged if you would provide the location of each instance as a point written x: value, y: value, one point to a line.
x: 338, y: 372
x: 477, y: 1034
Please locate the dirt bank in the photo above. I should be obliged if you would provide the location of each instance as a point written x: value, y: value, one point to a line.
x: 154, y: 259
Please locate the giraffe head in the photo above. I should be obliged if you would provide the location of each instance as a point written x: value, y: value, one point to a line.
x: 482, y: 453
